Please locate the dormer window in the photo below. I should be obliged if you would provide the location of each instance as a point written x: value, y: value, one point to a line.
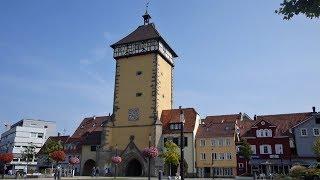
x: 264, y: 133
x: 304, y: 132
x: 174, y: 126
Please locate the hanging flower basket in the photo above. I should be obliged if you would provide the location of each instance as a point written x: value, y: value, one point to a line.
x: 151, y: 152
x: 116, y: 159
x: 74, y: 160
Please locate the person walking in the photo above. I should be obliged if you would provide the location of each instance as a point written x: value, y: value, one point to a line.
x: 97, y: 171
x: 93, y: 171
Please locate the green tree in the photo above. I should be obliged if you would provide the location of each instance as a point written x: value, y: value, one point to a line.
x: 171, y: 154
x: 28, y: 154
x: 246, y: 152
x: 289, y: 8
x: 50, y: 147
x: 316, y: 148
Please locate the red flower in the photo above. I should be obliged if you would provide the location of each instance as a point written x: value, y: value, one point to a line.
x: 58, y: 156
x: 74, y: 160
x: 116, y: 159
x: 6, y: 157
x: 151, y: 152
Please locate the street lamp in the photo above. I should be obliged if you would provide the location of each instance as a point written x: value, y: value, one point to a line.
x: 182, y: 120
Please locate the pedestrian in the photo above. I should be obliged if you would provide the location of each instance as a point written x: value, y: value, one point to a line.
x: 106, y: 171
x: 93, y: 171
x: 97, y: 171
x: 55, y: 173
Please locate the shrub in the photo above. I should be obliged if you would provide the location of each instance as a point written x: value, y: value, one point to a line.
x: 312, y: 172
x: 297, y: 171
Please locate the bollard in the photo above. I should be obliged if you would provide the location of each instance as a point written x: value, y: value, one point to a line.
x: 159, y: 175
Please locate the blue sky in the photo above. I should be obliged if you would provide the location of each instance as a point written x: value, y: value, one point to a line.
x: 234, y: 56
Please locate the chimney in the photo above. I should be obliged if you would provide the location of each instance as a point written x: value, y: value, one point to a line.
x: 58, y: 134
x: 255, y: 117
x: 313, y: 109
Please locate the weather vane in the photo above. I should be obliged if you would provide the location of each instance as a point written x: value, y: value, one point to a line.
x: 146, y: 16
x: 147, y: 5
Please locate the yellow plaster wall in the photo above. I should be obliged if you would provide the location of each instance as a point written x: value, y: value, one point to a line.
x: 121, y: 136
x: 209, y: 149
x: 164, y: 86
x: 130, y: 84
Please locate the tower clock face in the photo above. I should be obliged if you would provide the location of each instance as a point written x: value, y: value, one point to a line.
x: 133, y: 114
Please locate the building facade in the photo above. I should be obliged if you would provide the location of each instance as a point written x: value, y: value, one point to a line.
x: 305, y: 134
x: 171, y: 131
x: 83, y: 144
x: 24, y: 133
x: 215, y: 147
x: 143, y: 88
x: 272, y: 142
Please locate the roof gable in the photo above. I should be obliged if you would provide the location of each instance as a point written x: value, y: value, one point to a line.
x: 90, y: 124
x: 284, y: 122
x: 143, y: 33
x: 173, y: 116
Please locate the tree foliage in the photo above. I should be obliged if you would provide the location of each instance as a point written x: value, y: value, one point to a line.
x: 52, y: 146
x: 58, y: 156
x: 245, y: 150
x: 171, y: 153
x: 28, y: 153
x: 316, y: 147
x: 289, y: 8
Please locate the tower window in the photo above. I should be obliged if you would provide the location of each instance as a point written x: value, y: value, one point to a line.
x: 138, y: 73
x: 138, y: 94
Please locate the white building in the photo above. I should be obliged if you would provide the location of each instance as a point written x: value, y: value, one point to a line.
x: 22, y: 134
x: 170, y: 120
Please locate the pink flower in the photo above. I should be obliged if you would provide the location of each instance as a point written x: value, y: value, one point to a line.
x: 116, y: 159
x: 74, y: 160
x: 151, y: 152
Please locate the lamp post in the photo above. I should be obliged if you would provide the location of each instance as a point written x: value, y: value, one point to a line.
x: 182, y: 120
x: 213, y: 170
x: 149, y: 169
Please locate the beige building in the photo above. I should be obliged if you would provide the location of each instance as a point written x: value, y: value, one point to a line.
x: 143, y: 89
x: 215, y: 147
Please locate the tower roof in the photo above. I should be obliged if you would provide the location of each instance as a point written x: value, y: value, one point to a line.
x: 143, y: 33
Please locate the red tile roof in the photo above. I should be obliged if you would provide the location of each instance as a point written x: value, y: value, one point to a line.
x: 212, y: 129
x: 90, y: 124
x: 173, y: 116
x: 222, y: 118
x: 242, y: 120
x: 284, y: 122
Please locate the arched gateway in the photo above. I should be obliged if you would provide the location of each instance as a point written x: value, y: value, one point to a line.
x: 134, y: 168
x: 87, y: 167
x: 133, y: 163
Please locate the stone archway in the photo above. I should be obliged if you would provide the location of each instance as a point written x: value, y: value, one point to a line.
x: 87, y: 167
x: 133, y: 168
